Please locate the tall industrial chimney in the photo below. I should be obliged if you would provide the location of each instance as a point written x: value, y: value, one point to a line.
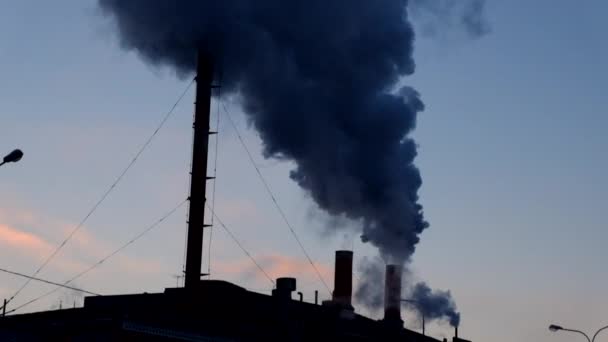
x: 198, y: 183
x: 392, y: 295
x: 343, y: 279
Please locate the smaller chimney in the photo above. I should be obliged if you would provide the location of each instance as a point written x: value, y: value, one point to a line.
x: 456, y: 338
x: 392, y: 296
x: 285, y: 286
x: 343, y: 279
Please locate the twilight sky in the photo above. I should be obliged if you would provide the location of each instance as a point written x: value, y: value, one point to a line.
x: 511, y: 153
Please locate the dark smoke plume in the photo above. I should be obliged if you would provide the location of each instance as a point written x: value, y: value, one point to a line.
x: 435, y: 305
x: 317, y: 80
x: 370, y: 290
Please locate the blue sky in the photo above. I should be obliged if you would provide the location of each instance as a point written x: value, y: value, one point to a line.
x: 511, y: 152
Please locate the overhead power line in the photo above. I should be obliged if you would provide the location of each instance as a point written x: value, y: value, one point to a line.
x: 128, y: 243
x: 213, y: 192
x: 48, y: 282
x: 273, y: 198
x: 104, y: 196
x: 233, y: 237
x: 104, y: 259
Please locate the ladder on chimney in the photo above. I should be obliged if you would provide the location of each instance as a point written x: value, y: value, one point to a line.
x: 199, y: 177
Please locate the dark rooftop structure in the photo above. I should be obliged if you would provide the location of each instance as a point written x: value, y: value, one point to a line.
x: 213, y: 310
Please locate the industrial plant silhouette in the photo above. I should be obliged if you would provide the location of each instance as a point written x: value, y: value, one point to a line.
x: 215, y: 310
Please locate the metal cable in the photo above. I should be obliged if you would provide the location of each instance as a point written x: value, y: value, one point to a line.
x: 128, y: 243
x: 217, y: 144
x: 105, y: 195
x: 274, y: 200
x: 48, y: 282
x: 233, y: 237
x: 104, y: 259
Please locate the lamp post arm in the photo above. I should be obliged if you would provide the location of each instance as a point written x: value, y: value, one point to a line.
x: 594, y: 336
x: 578, y: 331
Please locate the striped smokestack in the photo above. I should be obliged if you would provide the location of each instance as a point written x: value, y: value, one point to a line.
x: 343, y: 279
x: 392, y: 295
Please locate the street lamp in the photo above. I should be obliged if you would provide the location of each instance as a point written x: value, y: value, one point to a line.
x: 12, y: 157
x: 554, y: 328
x: 417, y: 305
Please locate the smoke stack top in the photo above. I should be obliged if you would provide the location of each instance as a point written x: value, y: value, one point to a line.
x: 343, y: 279
x: 392, y: 294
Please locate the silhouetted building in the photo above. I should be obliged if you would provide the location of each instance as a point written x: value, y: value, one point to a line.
x: 213, y: 310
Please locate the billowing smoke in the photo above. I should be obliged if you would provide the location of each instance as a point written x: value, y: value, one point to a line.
x: 317, y: 80
x: 370, y: 290
x: 435, y: 305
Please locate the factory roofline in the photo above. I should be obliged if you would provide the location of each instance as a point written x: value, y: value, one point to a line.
x: 213, y: 311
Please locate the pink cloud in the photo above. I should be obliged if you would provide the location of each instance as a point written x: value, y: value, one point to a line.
x: 82, y: 246
x: 23, y: 241
x: 87, y: 244
x: 16, y: 242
